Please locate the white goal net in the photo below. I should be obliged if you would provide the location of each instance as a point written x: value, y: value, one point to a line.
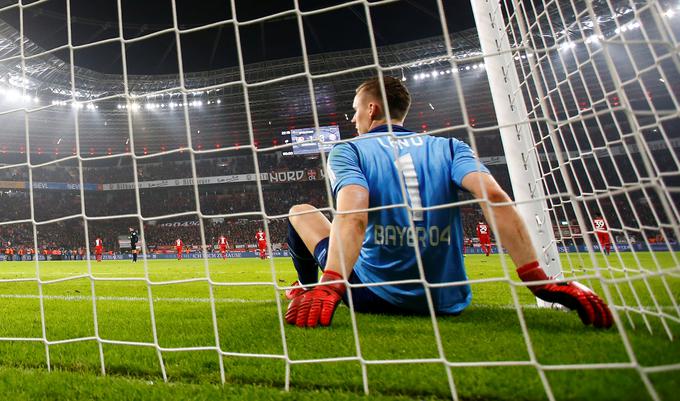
x: 572, y: 105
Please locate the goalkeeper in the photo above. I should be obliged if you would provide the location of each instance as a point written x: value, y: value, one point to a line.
x: 379, y: 247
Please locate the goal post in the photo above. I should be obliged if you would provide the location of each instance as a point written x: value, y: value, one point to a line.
x: 515, y: 132
x: 586, y: 101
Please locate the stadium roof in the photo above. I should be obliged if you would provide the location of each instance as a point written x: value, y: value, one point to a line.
x: 279, y: 96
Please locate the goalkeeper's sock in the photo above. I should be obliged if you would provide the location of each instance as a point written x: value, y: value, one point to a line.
x: 304, y: 262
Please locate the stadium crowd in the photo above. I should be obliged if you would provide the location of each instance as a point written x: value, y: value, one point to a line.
x: 218, y: 204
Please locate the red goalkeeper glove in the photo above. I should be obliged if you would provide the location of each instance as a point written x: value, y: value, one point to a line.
x: 571, y: 294
x: 317, y: 306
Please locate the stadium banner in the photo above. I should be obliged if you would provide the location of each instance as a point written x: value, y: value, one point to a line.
x: 638, y: 247
x: 284, y: 253
x: 493, y: 160
x: 273, y: 177
x: 191, y: 223
x: 61, y: 186
x: 12, y: 185
x: 183, y: 182
x: 310, y: 174
x: 152, y: 256
x: 567, y: 231
x: 198, y: 255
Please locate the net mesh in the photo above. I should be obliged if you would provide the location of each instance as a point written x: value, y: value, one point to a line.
x: 603, y: 105
x: 598, y: 80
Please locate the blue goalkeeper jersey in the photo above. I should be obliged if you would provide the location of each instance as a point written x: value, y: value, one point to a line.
x: 432, y: 171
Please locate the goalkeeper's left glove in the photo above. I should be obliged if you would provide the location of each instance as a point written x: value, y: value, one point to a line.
x: 572, y: 294
x: 317, y: 306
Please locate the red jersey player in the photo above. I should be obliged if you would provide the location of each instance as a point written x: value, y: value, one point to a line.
x: 98, y: 248
x: 602, y: 234
x: 484, y: 237
x: 223, y: 243
x: 261, y: 238
x: 178, y: 246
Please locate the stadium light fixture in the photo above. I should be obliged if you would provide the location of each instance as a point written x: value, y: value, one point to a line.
x: 219, y: 101
x: 567, y: 45
x: 593, y: 39
x: 628, y: 27
x: 12, y: 94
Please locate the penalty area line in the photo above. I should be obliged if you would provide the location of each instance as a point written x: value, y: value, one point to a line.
x: 136, y: 299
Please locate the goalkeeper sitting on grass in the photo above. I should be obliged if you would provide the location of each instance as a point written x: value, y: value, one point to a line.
x: 380, y: 246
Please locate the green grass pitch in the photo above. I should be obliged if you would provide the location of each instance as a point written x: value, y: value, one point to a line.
x: 248, y: 323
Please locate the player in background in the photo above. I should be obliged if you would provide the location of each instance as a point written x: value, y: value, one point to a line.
x: 602, y: 234
x: 261, y: 238
x: 223, y: 243
x: 179, y: 245
x: 468, y: 245
x: 9, y: 252
x: 484, y: 237
x: 134, y: 238
x: 98, y: 249
x: 379, y: 246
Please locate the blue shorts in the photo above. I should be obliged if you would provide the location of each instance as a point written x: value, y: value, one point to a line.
x: 363, y: 298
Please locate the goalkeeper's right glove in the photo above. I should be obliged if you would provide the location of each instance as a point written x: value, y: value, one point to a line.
x: 317, y: 305
x: 572, y: 294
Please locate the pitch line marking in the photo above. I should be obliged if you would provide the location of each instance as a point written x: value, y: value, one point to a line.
x: 236, y: 300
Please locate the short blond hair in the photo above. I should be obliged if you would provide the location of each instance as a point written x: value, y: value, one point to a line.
x: 398, y: 97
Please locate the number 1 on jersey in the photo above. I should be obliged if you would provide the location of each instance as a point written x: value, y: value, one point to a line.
x: 412, y: 185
